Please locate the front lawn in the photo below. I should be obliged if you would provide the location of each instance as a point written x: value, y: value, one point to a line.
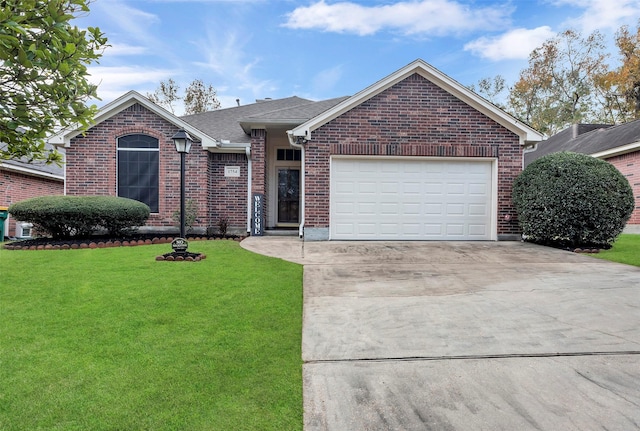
x: 626, y: 249
x: 110, y: 339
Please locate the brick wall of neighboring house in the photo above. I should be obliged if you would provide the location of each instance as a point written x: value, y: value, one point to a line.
x: 16, y: 187
x: 228, y: 195
x: 413, y: 118
x: 629, y: 165
x: 91, y: 164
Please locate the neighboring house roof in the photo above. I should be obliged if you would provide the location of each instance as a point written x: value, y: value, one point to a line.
x: 125, y: 101
x: 37, y: 169
x: 526, y: 133
x: 598, y: 140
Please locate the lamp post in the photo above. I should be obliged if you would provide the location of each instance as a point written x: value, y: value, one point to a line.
x: 182, y: 141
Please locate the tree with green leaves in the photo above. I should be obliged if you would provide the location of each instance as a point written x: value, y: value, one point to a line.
x: 165, y: 95
x: 558, y: 87
x: 198, y: 96
x: 43, y: 74
x: 491, y: 89
x: 621, y: 87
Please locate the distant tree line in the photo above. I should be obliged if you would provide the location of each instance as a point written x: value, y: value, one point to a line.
x: 569, y: 81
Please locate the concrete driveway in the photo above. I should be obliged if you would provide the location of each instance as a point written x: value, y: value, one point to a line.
x: 465, y: 336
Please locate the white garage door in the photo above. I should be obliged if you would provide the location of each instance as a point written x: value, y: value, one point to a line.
x: 411, y: 199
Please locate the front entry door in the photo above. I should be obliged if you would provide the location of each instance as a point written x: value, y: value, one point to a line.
x: 288, y: 196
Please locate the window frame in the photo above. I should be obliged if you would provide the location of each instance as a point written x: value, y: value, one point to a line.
x: 140, y: 149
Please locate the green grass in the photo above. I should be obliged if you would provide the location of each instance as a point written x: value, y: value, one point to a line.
x: 626, y: 249
x: 110, y: 339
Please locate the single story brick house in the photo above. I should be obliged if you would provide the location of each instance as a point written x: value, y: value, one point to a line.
x: 415, y: 156
x: 20, y: 180
x: 617, y: 144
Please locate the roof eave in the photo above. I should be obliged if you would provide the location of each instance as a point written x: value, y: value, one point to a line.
x: 227, y: 147
x: 32, y: 172
x: 250, y: 123
x: 617, y: 151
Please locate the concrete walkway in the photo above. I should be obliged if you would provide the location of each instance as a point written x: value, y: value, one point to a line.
x: 461, y: 336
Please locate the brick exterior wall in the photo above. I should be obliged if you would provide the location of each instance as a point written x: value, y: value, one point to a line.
x: 413, y: 118
x: 91, y: 164
x: 629, y: 165
x: 228, y: 195
x: 16, y: 187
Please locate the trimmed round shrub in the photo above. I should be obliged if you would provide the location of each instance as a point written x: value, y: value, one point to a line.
x: 81, y: 216
x: 572, y: 200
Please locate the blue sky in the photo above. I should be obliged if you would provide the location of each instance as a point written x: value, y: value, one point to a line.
x: 320, y: 49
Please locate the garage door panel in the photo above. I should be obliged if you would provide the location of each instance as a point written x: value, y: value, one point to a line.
x: 409, y: 209
x: 367, y: 208
x: 478, y: 210
x: 368, y: 187
x: 344, y: 208
x: 410, y: 199
x: 389, y: 208
x: 344, y: 187
x: 434, y: 188
x: 455, y: 229
x: 477, y: 230
x: 455, y: 210
x: 479, y: 189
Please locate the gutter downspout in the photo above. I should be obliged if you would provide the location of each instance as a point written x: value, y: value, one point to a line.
x: 293, y: 143
x: 247, y: 151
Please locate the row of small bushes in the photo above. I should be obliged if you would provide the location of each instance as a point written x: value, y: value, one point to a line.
x: 63, y: 217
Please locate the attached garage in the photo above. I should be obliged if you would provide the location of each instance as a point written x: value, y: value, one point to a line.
x: 415, y: 156
x: 409, y: 198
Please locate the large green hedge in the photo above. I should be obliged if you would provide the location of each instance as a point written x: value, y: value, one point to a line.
x: 81, y: 216
x: 572, y: 200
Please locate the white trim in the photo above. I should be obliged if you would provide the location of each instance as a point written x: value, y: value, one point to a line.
x: 617, y: 150
x: 526, y: 133
x: 123, y: 102
x: 29, y: 171
x: 227, y: 148
x: 303, y: 181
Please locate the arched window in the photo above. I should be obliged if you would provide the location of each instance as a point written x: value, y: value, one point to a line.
x: 138, y: 169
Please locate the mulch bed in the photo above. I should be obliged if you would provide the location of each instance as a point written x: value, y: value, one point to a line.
x: 105, y: 241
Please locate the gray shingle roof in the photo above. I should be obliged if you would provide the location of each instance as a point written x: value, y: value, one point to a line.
x: 588, y: 139
x: 227, y: 124
x: 38, y: 167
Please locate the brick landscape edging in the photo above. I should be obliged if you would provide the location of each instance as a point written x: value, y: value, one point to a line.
x: 107, y: 244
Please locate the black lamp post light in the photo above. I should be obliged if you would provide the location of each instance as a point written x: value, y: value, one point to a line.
x: 183, y: 142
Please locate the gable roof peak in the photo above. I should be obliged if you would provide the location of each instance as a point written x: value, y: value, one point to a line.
x: 123, y: 102
x: 526, y: 133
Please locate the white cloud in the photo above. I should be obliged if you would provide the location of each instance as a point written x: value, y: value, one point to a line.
x: 514, y: 44
x: 428, y: 17
x: 117, y: 49
x: 224, y: 54
x: 325, y: 80
x: 134, y: 23
x: 602, y: 14
x: 113, y: 82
